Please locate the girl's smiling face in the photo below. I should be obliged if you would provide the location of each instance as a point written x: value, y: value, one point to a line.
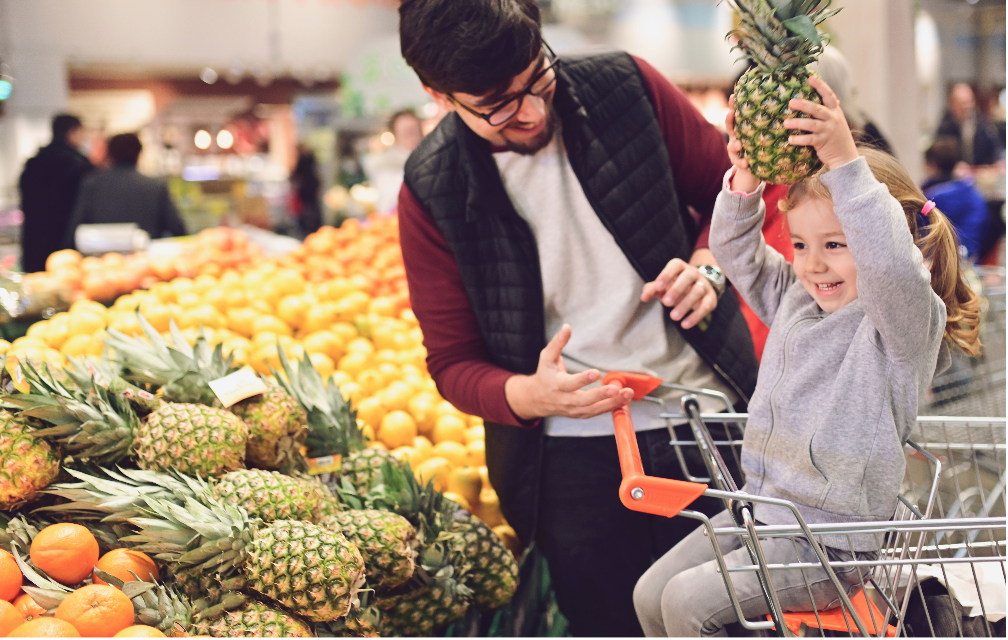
x: 822, y: 261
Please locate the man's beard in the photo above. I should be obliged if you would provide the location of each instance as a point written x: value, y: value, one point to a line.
x: 535, y: 145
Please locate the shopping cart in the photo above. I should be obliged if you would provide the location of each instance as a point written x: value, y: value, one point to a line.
x: 949, y: 524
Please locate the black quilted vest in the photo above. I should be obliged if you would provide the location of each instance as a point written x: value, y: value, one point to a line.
x: 615, y: 147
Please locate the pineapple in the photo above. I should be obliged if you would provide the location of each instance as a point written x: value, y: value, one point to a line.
x: 493, y: 575
x: 193, y: 438
x: 437, y: 594
x: 332, y: 424
x: 386, y: 540
x: 253, y: 620
x: 278, y: 425
x: 780, y: 40
x: 27, y: 462
x: 270, y: 496
x: 276, y: 422
x: 103, y: 428
x: 307, y: 569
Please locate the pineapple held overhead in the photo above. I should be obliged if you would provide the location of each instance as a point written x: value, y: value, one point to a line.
x: 779, y: 38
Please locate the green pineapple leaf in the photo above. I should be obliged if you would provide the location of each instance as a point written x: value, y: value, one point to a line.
x: 803, y: 26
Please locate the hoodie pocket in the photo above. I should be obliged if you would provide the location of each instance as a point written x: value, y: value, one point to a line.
x: 797, y: 478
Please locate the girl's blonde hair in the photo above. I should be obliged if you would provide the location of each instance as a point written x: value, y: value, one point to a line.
x: 937, y: 241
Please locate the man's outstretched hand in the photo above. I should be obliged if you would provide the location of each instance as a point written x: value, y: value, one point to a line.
x: 551, y: 391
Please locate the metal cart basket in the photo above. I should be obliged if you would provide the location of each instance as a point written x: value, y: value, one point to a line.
x: 948, y: 529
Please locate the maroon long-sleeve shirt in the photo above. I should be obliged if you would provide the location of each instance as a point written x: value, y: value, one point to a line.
x: 457, y: 358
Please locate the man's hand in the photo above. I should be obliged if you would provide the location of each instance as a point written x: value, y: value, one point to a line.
x: 551, y: 391
x: 682, y: 287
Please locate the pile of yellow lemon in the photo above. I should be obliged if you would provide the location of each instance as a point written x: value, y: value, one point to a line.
x: 372, y: 350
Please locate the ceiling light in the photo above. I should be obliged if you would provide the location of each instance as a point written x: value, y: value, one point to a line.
x: 388, y: 139
x: 208, y: 75
x: 202, y: 139
x: 224, y: 139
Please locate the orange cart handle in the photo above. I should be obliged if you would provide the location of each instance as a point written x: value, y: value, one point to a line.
x: 640, y: 492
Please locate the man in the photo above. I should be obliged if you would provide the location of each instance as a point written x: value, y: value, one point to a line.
x: 547, y: 236
x: 978, y: 140
x: 385, y: 169
x: 123, y: 194
x: 49, y: 184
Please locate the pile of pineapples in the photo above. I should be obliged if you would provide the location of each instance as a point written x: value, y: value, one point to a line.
x: 137, y: 447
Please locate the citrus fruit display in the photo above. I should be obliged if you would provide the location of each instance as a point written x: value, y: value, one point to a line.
x: 306, y: 508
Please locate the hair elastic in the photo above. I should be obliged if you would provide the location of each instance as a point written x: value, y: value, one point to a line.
x: 928, y: 206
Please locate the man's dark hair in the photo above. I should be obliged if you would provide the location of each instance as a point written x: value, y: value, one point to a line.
x: 63, y: 124
x: 469, y: 46
x: 125, y: 148
x: 402, y: 113
x: 944, y: 153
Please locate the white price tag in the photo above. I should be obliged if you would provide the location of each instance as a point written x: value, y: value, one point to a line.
x: 241, y: 384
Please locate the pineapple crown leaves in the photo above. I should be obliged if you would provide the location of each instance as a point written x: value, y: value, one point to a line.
x: 201, y: 533
x: 121, y: 494
x: 332, y: 422
x: 780, y: 35
x: 183, y: 370
x: 154, y: 604
x: 97, y: 425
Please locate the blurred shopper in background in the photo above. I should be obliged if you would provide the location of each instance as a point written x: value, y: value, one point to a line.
x: 305, y: 183
x: 49, y: 185
x: 385, y: 170
x: 958, y: 199
x: 978, y: 139
x: 833, y: 69
x: 121, y: 194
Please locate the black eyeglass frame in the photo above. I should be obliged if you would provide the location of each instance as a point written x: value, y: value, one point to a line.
x: 554, y: 64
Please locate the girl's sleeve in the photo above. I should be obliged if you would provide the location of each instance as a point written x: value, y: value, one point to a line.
x: 760, y: 274
x: 893, y: 283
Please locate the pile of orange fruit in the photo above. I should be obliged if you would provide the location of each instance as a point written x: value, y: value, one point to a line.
x: 210, y: 252
x: 68, y: 553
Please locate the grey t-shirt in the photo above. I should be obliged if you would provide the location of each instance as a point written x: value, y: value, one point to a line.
x: 589, y: 283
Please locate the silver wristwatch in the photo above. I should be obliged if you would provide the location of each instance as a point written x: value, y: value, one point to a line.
x: 716, y: 277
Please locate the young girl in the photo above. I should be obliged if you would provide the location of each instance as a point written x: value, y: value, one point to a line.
x: 858, y: 328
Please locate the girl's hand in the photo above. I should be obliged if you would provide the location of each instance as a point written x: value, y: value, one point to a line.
x: 829, y: 132
x: 743, y: 180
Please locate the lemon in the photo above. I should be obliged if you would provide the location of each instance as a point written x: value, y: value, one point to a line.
x: 322, y: 363
x: 38, y: 330
x: 397, y: 429
x: 76, y: 346
x: 422, y: 408
x: 489, y: 508
x: 353, y: 363
x: 453, y: 452
x: 474, y: 433
x: 85, y: 321
x: 58, y: 331
x: 423, y: 446
x: 271, y: 323
x: 476, y: 453
x: 242, y: 320
x: 344, y: 330
x: 360, y: 345
x: 436, y: 469
x: 325, y: 342
x: 371, y: 381
x: 397, y: 396
x: 4, y: 346
x: 449, y: 427
x: 88, y: 305
x: 293, y: 310
x: 466, y: 482
x: 371, y: 411
x: 351, y: 391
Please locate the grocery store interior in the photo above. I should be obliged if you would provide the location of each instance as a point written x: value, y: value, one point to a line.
x: 275, y: 133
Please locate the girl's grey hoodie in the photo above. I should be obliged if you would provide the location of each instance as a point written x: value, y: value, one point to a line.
x: 837, y: 393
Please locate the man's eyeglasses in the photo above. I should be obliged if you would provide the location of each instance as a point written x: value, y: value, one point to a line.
x: 540, y: 84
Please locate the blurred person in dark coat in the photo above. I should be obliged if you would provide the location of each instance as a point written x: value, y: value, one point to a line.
x: 49, y: 185
x: 957, y: 198
x: 305, y: 183
x: 978, y: 139
x: 122, y: 194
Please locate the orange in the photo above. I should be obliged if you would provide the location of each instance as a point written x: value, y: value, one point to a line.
x: 140, y: 631
x: 10, y: 618
x: 27, y: 607
x: 66, y: 551
x: 474, y: 433
x: 457, y: 499
x: 45, y: 628
x: 120, y: 562
x: 449, y: 427
x: 397, y: 429
x: 10, y: 577
x: 97, y: 610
